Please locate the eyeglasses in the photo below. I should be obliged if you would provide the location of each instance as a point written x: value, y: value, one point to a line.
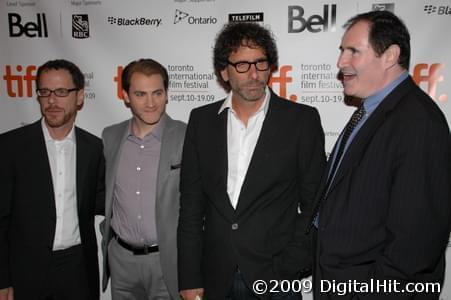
x: 244, y: 66
x: 61, y: 92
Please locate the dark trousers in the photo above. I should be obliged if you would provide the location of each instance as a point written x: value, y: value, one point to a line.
x: 240, y: 291
x: 67, y: 278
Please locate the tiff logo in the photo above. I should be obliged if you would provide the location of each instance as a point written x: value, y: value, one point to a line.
x: 17, y: 83
x: 283, y: 79
x: 430, y: 75
x: 118, y: 80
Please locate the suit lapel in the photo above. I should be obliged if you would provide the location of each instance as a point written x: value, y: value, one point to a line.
x: 43, y: 171
x: 82, y: 162
x: 168, y: 146
x: 358, y: 146
x: 113, y: 160
x: 264, y: 143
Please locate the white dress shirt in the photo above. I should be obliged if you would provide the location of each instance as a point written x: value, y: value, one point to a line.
x: 241, y: 141
x: 62, y: 158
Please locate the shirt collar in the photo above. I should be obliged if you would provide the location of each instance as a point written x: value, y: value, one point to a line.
x: 373, y: 101
x: 227, y: 104
x: 48, y: 138
x: 157, y: 131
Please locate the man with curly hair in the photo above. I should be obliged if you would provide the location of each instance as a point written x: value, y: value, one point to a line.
x: 250, y: 168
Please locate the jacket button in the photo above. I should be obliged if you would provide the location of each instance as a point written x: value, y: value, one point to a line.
x: 234, y: 226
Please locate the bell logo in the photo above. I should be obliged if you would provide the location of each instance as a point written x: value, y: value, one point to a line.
x: 17, y: 83
x: 315, y: 23
x: 283, y: 79
x: 30, y: 29
x: 430, y: 75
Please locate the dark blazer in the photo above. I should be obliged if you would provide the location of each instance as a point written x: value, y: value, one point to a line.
x: 28, y: 213
x: 264, y: 236
x: 387, y: 213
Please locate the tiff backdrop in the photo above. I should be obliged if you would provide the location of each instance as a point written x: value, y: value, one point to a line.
x: 102, y: 36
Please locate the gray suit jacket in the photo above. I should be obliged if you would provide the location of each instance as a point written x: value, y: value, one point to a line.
x: 167, y: 199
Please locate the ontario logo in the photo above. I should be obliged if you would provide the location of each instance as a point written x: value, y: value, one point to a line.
x: 182, y: 17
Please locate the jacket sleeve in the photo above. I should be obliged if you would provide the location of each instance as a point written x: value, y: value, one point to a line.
x: 192, y: 211
x: 6, y: 199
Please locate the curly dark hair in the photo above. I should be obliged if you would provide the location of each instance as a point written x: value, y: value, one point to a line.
x: 61, y: 64
x: 234, y: 35
x: 386, y: 29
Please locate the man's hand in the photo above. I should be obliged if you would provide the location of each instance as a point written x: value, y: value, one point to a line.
x: 6, y: 294
x: 193, y: 294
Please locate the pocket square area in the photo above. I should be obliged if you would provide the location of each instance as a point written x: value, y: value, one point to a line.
x: 176, y: 166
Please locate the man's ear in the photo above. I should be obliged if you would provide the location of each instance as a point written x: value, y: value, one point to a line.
x: 80, y: 97
x: 126, y: 98
x: 225, y: 74
x: 391, y: 55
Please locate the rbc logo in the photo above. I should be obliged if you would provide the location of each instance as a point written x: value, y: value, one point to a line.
x: 430, y: 75
x: 30, y: 29
x: 315, y: 23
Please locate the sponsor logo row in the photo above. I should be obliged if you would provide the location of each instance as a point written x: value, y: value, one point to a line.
x: 19, y: 80
x: 299, y: 20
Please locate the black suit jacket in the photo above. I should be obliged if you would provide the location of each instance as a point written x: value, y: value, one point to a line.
x: 28, y: 213
x: 387, y: 213
x: 264, y: 236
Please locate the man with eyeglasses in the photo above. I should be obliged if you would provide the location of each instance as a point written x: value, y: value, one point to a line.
x: 250, y: 168
x: 52, y: 186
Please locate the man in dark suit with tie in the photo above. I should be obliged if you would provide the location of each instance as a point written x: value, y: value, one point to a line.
x: 52, y: 186
x: 384, y: 203
x: 250, y: 169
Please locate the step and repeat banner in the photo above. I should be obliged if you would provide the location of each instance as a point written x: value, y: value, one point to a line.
x: 102, y: 36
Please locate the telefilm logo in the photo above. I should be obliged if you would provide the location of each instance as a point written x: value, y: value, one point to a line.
x: 437, y: 10
x: 430, y: 74
x: 136, y: 21
x: 32, y: 29
x: 80, y: 26
x: 246, y: 17
x: 383, y: 6
x: 180, y: 16
x: 19, y: 80
x: 298, y: 21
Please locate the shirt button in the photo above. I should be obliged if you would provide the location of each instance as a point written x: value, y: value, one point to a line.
x: 142, y: 146
x: 139, y: 217
x: 138, y: 192
x: 234, y: 226
x: 138, y: 168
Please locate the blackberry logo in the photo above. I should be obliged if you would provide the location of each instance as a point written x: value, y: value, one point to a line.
x: 429, y: 9
x: 80, y: 26
x: 437, y: 10
x: 137, y: 21
x: 179, y: 15
x: 112, y: 20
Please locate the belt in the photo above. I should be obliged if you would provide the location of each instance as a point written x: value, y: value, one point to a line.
x: 136, y: 250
